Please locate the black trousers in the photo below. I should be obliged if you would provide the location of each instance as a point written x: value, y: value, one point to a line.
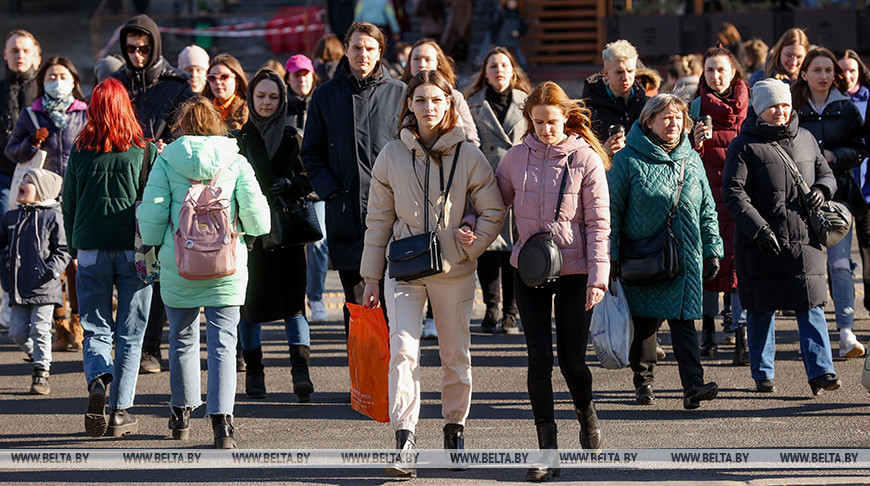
x: 490, y: 265
x: 156, y: 322
x: 862, y: 234
x: 642, y: 354
x: 572, y: 334
x: 354, y: 286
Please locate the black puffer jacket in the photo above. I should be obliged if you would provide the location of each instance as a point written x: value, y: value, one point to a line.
x: 607, y: 110
x: 17, y: 91
x: 840, y: 129
x: 297, y: 111
x: 759, y: 191
x: 158, y: 89
x: 349, y: 122
x: 35, y: 241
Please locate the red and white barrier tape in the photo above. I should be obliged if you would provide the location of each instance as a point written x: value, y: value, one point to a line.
x: 297, y: 18
x: 243, y: 33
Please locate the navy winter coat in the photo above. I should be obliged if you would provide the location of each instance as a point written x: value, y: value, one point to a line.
x: 349, y: 122
x: 35, y: 241
x: 58, y: 144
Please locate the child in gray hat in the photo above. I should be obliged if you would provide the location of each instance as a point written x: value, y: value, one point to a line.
x: 27, y: 233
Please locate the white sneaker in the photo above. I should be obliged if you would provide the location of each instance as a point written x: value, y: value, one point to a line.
x: 849, y: 345
x: 318, y: 311
x: 429, y: 331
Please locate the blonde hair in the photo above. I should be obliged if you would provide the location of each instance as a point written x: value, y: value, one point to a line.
x: 620, y: 50
x: 792, y: 37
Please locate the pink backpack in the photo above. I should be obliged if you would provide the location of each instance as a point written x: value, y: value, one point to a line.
x: 205, y: 242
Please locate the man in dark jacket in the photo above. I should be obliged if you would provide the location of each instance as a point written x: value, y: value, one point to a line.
x: 614, y: 96
x: 350, y: 118
x: 17, y: 91
x: 156, y: 88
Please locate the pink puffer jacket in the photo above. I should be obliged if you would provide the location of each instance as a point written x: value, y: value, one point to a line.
x: 529, y: 176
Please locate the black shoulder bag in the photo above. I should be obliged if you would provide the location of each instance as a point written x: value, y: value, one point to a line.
x: 653, y: 260
x: 832, y: 221
x: 419, y: 256
x: 539, y: 262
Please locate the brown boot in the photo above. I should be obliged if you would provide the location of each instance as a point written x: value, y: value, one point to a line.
x: 77, y: 334
x: 61, y: 334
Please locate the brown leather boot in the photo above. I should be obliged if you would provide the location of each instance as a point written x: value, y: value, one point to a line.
x: 61, y: 334
x: 77, y: 334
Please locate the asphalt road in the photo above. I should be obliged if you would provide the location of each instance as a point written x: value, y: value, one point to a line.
x: 500, y: 415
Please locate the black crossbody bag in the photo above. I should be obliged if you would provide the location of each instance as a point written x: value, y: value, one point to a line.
x: 419, y: 256
x: 652, y: 260
x: 539, y: 262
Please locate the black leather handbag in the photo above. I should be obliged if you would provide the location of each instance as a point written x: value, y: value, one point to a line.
x: 419, y: 256
x: 293, y: 224
x: 539, y: 262
x: 832, y: 221
x: 655, y: 259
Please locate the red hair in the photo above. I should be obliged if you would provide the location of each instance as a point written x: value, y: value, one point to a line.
x: 112, y: 124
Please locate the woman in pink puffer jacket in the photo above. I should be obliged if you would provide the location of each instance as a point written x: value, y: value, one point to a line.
x: 529, y: 177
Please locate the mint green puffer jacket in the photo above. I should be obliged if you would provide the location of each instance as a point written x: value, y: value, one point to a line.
x: 199, y: 158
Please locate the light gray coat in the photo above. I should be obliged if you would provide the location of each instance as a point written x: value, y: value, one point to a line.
x: 495, y: 140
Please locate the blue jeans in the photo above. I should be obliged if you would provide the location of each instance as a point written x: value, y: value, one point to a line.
x: 841, y: 268
x: 814, y: 341
x: 184, y: 372
x: 98, y: 272
x: 30, y: 329
x: 711, y: 307
x: 318, y: 257
x: 295, y: 328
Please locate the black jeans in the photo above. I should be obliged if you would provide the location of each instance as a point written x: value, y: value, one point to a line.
x: 354, y: 286
x: 642, y: 355
x: 572, y: 334
x: 156, y: 322
x: 489, y: 265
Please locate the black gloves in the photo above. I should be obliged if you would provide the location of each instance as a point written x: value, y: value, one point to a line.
x: 767, y: 242
x: 711, y: 268
x: 815, y: 198
x: 280, y: 187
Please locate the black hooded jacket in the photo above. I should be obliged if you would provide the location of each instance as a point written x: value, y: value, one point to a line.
x: 17, y: 91
x: 759, y: 191
x: 607, y: 111
x: 158, y: 89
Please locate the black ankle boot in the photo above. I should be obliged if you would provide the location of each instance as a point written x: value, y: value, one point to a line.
x: 548, y: 468
x: 693, y: 397
x: 590, y: 429
x: 179, y: 423
x: 741, y: 348
x: 121, y: 423
x: 708, y: 336
x: 255, y: 378
x: 489, y: 325
x: 454, y: 440
x: 96, y: 421
x: 299, y: 359
x: 828, y: 381
x: 405, y: 465
x: 222, y: 425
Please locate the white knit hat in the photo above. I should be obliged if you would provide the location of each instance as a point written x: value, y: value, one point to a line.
x: 193, y: 55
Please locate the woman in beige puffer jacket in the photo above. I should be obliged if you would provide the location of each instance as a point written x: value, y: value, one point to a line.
x: 429, y: 136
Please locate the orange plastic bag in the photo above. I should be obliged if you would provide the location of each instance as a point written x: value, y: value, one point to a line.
x: 368, y: 353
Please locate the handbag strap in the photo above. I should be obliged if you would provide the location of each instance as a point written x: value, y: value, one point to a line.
x: 562, y: 186
x: 33, y: 117
x: 446, y: 192
x: 803, y: 189
x: 680, y: 183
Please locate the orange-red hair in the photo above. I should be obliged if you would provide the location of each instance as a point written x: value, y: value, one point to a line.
x: 112, y: 124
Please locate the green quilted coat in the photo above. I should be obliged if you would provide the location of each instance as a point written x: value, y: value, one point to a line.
x: 643, y: 183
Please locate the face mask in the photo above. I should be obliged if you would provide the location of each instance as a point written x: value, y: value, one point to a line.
x: 59, y: 89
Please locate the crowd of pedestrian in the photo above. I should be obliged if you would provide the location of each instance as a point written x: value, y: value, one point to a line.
x: 166, y: 193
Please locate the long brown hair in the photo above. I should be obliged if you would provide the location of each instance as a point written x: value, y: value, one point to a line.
x: 198, y: 116
x: 408, y: 120
x: 233, y: 65
x: 800, y: 90
x: 863, y: 74
x: 792, y: 37
x: 720, y: 52
x: 59, y: 61
x: 445, y: 63
x: 519, y: 80
x: 579, y: 117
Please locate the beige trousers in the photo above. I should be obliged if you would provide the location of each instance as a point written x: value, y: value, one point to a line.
x: 452, y: 300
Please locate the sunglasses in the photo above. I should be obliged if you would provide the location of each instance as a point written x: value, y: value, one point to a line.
x: 213, y: 78
x: 144, y: 50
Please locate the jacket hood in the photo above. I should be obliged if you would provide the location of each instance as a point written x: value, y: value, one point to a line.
x: 142, y: 24
x: 641, y: 144
x: 833, y: 96
x: 759, y: 128
x: 443, y: 145
x: 345, y: 75
x: 200, y: 157
x: 556, y: 152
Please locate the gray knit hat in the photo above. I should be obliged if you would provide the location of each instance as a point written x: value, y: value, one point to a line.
x: 47, y: 183
x: 769, y: 92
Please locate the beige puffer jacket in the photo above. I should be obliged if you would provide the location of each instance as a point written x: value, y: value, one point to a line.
x: 396, y: 202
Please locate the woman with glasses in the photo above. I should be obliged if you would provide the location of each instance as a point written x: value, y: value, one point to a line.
x: 228, y: 87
